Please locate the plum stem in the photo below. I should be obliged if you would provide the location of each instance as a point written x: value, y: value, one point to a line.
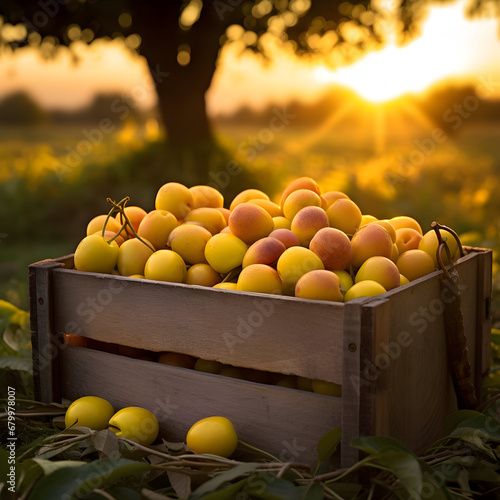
x: 120, y: 207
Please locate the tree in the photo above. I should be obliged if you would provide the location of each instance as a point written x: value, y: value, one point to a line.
x: 181, y: 40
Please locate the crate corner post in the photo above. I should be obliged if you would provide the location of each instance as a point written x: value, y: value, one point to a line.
x: 45, y: 350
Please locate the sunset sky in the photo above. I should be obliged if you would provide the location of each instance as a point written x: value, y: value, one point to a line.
x: 451, y: 46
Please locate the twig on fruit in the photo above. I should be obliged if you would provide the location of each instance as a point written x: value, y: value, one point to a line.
x: 117, y: 207
x: 120, y: 208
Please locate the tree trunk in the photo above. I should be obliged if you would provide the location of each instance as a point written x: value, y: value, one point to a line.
x: 181, y: 89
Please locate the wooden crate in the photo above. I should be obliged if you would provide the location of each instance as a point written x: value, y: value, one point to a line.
x: 388, y: 352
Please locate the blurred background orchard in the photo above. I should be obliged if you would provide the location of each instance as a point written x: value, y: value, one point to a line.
x: 394, y: 102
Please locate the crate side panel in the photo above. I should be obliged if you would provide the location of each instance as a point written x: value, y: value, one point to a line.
x: 277, y: 334
x: 283, y: 421
x: 420, y: 392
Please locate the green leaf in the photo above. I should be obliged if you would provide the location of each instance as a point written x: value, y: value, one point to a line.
x: 328, y: 444
x: 448, y: 470
x: 18, y: 363
x: 181, y: 483
x: 106, y: 442
x: 17, y: 339
x: 415, y: 476
x: 31, y: 470
x: 76, y: 482
x: 121, y: 493
x: 346, y: 490
x: 405, y: 466
x: 313, y: 491
x: 471, y: 435
x: 452, y: 421
x: 270, y: 487
x: 372, y: 444
x: 488, y: 425
x: 224, y: 477
x: 227, y: 492
x: 484, y: 474
x: 48, y: 466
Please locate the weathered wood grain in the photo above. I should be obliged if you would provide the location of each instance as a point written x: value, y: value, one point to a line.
x: 272, y: 333
x: 285, y: 422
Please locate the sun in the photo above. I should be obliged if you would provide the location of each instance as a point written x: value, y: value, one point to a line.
x: 440, y: 52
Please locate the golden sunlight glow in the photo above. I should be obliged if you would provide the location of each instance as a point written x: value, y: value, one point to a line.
x: 445, y: 49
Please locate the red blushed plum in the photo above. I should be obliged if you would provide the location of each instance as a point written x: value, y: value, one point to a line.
x: 174, y: 198
x: 319, y: 285
x: 379, y: 269
x: 293, y: 263
x: 333, y: 247
x: 270, y: 207
x: 407, y: 239
x: 211, y: 218
x: 249, y: 222
x: 206, y: 196
x: 259, y: 278
x: 345, y: 215
x: 404, y: 221
x: 135, y: 215
x: 264, y: 251
x: 368, y: 241
x: 300, y: 183
x: 247, y: 195
x: 331, y: 197
x: 286, y: 236
x: 307, y: 222
x: 414, y: 264
x: 299, y: 199
x: 157, y: 226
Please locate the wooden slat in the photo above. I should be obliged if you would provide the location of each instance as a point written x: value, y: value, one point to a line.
x: 285, y: 422
x: 483, y: 318
x: 44, y: 343
x: 272, y: 333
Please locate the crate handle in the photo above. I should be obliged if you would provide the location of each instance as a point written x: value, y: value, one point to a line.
x: 456, y: 344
